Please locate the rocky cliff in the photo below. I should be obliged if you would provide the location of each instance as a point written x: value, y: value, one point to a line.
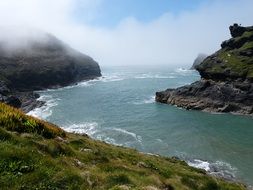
x: 38, y: 62
x: 226, y: 78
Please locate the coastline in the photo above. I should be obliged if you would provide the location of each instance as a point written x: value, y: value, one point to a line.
x: 209, y: 167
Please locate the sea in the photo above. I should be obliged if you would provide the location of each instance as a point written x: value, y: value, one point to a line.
x: 119, y: 108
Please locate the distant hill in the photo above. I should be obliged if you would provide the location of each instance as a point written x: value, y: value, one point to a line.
x: 198, y: 60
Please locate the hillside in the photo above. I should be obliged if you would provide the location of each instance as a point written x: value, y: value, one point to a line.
x: 226, y: 79
x: 39, y: 155
x: 34, y: 60
x: 43, y: 61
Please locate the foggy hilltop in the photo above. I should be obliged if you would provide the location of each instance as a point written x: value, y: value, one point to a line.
x: 35, y: 60
x: 31, y: 59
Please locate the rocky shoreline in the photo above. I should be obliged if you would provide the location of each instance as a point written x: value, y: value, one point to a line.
x: 211, y: 96
x: 226, y: 83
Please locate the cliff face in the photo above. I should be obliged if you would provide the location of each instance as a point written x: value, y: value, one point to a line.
x: 37, y: 62
x: 226, y: 79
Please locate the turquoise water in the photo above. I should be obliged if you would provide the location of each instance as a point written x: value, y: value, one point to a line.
x: 120, y: 109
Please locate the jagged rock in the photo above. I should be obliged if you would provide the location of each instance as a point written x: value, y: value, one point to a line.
x: 211, y: 96
x: 236, y: 30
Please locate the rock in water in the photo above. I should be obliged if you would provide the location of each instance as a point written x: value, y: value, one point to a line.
x: 200, y: 58
x: 226, y: 83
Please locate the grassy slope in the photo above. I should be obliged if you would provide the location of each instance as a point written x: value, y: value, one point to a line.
x: 38, y: 155
x: 230, y: 59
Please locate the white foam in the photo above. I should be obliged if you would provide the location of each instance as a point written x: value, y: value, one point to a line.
x: 112, y: 78
x: 109, y: 135
x: 218, y: 168
x: 200, y: 164
x: 182, y: 70
x: 136, y: 137
x: 153, y: 76
x: 89, y: 128
x: 45, y: 111
x: 145, y: 101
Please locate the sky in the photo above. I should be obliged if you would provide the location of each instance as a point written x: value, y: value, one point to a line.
x: 132, y: 32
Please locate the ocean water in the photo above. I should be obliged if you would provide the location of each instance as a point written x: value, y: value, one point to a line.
x: 119, y: 108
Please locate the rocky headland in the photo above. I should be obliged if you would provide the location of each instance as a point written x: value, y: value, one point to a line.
x: 38, y: 61
x: 226, y: 83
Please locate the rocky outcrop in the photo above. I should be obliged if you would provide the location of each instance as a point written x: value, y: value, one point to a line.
x: 226, y: 83
x: 208, y: 95
x: 41, y: 62
x: 199, y: 59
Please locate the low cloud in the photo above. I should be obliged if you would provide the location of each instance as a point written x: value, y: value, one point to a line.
x: 169, y: 39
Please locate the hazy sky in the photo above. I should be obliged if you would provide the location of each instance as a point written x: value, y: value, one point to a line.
x: 129, y: 32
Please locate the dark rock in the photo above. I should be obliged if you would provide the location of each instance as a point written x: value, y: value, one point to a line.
x: 211, y: 96
x: 236, y: 30
x: 13, y: 101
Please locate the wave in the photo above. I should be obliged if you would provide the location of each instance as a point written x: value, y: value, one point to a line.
x: 218, y: 168
x: 116, y: 136
x: 183, y: 70
x: 155, y: 76
x: 87, y: 128
x: 136, y: 137
x: 45, y: 111
x: 149, y: 100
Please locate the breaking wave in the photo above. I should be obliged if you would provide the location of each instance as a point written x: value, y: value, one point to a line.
x: 45, y: 111
x: 218, y: 168
x: 116, y: 136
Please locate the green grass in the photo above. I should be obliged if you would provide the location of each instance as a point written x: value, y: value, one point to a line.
x: 32, y: 159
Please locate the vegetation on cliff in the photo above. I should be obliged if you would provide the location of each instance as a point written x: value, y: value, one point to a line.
x: 38, y: 155
x: 234, y: 61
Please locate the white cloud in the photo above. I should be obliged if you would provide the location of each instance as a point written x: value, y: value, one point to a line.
x: 168, y: 39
